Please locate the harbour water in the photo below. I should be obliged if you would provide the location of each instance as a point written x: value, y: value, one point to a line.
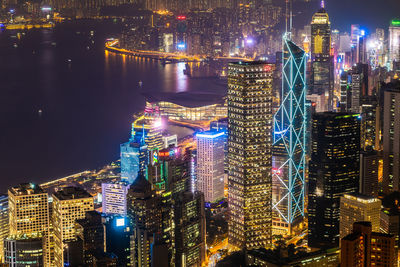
x: 66, y: 104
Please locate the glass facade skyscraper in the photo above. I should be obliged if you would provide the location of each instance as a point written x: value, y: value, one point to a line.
x: 249, y: 154
x: 289, y: 152
x: 333, y: 171
x: 321, y: 59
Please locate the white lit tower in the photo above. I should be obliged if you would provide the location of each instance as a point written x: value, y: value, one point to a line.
x: 289, y: 147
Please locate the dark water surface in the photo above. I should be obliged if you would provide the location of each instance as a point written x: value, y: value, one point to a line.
x: 87, y: 103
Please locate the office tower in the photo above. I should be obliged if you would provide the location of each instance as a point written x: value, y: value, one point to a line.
x: 134, y: 159
x: 333, y: 171
x: 210, y: 165
x: 29, y: 215
x: 289, y: 152
x: 150, y: 125
x: 146, y: 213
x: 321, y: 59
x: 394, y: 42
x: 171, y: 171
x: 90, y: 234
x: 69, y: 204
x: 4, y: 224
x: 391, y: 137
x: 362, y: 48
x: 23, y: 251
x: 363, y: 247
x: 249, y: 156
x: 114, y: 197
x: 117, y: 238
x: 190, y: 229
x: 357, y: 208
x: 221, y: 125
x: 369, y: 163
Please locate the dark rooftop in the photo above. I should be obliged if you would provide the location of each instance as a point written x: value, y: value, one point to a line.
x: 186, y: 99
x: 72, y: 192
x: 26, y: 189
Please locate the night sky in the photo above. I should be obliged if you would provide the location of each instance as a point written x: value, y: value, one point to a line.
x: 368, y: 13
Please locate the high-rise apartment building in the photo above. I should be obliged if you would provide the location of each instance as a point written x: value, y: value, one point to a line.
x: 321, y: 58
x: 363, y: 247
x: 114, y: 197
x: 391, y: 137
x: 249, y: 153
x: 289, y: 152
x: 357, y: 208
x: 190, y: 229
x: 333, y: 171
x: 29, y: 215
x: 69, y: 204
x: 210, y: 165
x: 4, y: 224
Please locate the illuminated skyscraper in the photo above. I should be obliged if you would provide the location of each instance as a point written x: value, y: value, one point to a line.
x: 114, y: 197
x: 289, y: 139
x: 321, y: 59
x: 69, y: 205
x: 4, y: 224
x: 249, y: 154
x: 358, y: 208
x: 148, y: 214
x: 210, y: 165
x: 23, y: 251
x: 134, y: 157
x: 333, y: 171
x: 150, y: 124
x: 394, y: 42
x: 29, y: 214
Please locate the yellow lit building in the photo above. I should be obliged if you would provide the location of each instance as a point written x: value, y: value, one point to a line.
x: 190, y: 106
x: 69, y: 205
x: 29, y: 214
x: 249, y: 154
x: 357, y: 208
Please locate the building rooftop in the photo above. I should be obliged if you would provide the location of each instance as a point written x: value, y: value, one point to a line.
x: 336, y: 115
x: 250, y: 63
x: 26, y: 189
x: 361, y: 198
x: 186, y: 99
x: 71, y: 192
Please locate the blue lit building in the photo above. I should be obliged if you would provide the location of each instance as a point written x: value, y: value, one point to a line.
x: 134, y: 159
x: 289, y: 140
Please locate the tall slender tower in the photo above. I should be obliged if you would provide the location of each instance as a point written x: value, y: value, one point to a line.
x: 322, y: 61
x: 249, y: 154
x: 289, y: 149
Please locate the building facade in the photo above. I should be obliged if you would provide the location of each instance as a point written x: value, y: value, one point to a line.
x: 363, y: 247
x: 29, y: 214
x: 249, y: 154
x: 391, y: 138
x: 22, y: 251
x: 69, y: 204
x: 321, y: 59
x: 333, y: 171
x: 357, y: 208
x: 289, y: 152
x: 114, y: 197
x: 210, y: 165
x: 4, y: 223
